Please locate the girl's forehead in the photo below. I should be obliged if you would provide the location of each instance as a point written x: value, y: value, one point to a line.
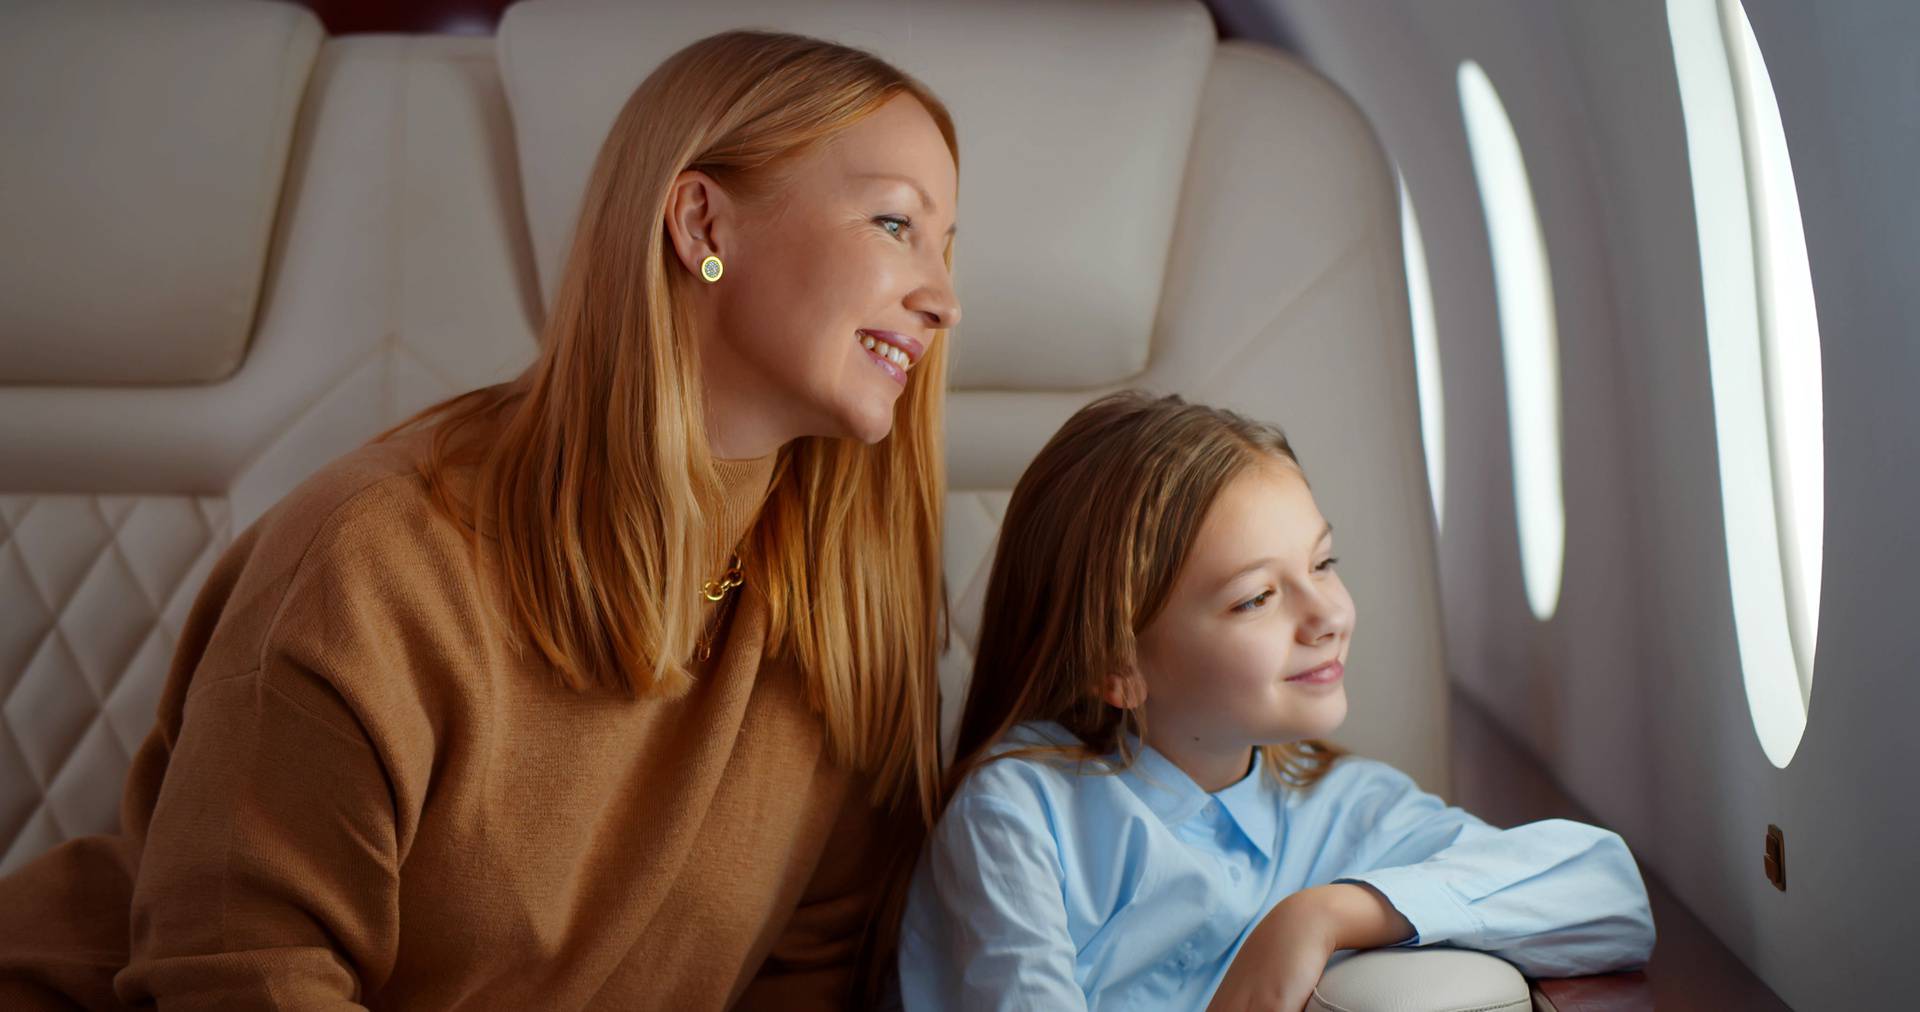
x: 1265, y: 510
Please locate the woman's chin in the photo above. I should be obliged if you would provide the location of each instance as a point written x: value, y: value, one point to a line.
x: 868, y: 423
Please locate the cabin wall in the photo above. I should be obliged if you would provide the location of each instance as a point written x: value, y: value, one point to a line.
x: 1632, y: 691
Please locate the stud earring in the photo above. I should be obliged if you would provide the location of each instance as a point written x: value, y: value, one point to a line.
x: 710, y: 269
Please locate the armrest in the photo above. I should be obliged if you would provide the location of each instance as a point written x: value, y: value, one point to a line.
x: 1606, y: 992
x: 1436, y: 979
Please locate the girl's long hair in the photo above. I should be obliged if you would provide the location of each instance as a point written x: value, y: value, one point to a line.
x: 595, y: 465
x: 1096, y: 533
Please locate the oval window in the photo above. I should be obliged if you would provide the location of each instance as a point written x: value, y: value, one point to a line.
x: 1529, y: 341
x: 1763, y: 350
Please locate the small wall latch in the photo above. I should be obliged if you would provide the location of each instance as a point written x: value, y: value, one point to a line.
x: 1776, y: 858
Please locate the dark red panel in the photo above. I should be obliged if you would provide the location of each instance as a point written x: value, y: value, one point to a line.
x: 446, y: 17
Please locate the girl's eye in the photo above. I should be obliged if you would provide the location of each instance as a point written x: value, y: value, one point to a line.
x: 1326, y: 566
x: 1255, y: 602
x: 895, y: 220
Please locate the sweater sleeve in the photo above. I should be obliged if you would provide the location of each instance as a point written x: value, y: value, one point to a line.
x: 269, y: 871
x: 269, y: 877
x: 1555, y: 898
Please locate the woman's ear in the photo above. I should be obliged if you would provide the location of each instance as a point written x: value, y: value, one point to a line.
x: 1126, y: 691
x: 697, y: 211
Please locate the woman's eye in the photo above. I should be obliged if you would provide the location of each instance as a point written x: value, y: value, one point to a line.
x: 1326, y: 566
x: 902, y: 222
x: 1255, y: 602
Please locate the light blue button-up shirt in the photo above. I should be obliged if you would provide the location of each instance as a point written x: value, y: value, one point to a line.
x: 1047, y: 888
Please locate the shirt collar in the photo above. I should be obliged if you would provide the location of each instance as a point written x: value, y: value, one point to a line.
x: 1254, y: 807
x: 1165, y: 788
x: 1173, y: 796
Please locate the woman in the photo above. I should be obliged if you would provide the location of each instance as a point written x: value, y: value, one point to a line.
x: 600, y: 687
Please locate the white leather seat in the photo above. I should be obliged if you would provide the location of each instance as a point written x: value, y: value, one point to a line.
x: 204, y: 298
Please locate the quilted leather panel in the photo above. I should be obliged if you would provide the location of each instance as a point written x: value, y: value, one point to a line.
x: 97, y: 590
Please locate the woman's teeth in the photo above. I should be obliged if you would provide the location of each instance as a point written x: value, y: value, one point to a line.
x: 886, y: 351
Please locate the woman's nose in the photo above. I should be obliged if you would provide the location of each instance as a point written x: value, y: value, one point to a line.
x: 936, y: 301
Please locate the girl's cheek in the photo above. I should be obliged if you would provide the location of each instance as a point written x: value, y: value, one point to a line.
x: 1257, y: 660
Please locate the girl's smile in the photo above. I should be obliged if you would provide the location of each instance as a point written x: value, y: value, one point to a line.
x: 1319, y: 677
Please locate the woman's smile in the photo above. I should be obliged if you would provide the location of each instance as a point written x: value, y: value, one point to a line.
x: 894, y: 353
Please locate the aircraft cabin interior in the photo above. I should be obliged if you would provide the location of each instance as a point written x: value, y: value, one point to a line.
x: 1589, y: 327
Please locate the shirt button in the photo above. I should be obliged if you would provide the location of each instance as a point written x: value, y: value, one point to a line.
x: 1233, y: 872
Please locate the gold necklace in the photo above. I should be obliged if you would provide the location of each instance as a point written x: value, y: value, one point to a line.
x: 714, y: 590
x: 717, y: 590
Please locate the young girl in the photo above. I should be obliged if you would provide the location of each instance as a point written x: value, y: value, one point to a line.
x: 1142, y: 813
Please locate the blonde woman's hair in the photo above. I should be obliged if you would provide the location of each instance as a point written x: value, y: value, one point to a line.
x: 1096, y: 533
x: 596, y: 464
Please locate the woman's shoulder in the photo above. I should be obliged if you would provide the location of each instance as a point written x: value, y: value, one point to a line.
x: 355, y: 553
x: 370, y: 506
x: 338, y: 591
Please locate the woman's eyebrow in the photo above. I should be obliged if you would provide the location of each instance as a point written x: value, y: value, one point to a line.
x: 926, y: 200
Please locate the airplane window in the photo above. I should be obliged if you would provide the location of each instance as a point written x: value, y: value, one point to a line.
x: 1763, y: 348
x: 1523, y: 292
x: 1426, y: 355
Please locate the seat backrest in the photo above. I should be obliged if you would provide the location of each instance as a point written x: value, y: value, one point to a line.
x: 1223, y: 226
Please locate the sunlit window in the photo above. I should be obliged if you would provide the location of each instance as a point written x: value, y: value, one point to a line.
x: 1426, y: 356
x: 1763, y: 347
x: 1523, y: 290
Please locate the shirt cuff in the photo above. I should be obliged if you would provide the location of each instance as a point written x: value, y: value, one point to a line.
x: 1426, y: 901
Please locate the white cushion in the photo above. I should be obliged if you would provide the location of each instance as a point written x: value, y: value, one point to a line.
x: 401, y: 276
x: 1070, y: 157
x: 1285, y: 298
x: 146, y: 146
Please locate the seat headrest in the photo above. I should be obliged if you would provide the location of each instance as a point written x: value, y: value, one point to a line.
x: 1066, y: 211
x: 145, y: 146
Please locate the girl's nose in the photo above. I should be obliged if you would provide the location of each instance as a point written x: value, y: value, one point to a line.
x: 1322, y: 617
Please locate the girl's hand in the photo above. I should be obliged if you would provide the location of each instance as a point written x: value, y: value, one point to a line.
x: 1277, y: 968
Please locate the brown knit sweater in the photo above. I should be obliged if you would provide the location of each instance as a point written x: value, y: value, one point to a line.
x: 358, y: 794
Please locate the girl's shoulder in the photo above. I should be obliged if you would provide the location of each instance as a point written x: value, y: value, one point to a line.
x: 1357, y: 785
x: 1354, y: 770
x: 1024, y: 770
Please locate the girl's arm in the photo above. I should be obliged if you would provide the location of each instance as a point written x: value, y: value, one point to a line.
x: 1555, y: 898
x: 986, y: 921
x: 1287, y: 952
